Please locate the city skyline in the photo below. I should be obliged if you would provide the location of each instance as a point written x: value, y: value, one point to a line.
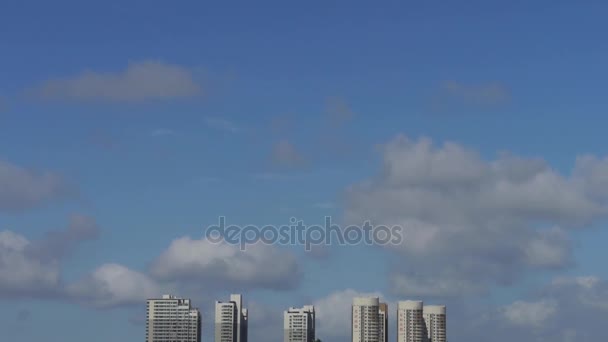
x: 171, y: 318
x: 448, y: 152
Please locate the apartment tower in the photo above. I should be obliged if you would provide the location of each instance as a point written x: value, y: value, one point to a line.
x: 383, y: 318
x: 231, y: 320
x: 366, y: 319
x: 435, y: 323
x: 410, y: 323
x: 172, y: 319
x: 299, y: 324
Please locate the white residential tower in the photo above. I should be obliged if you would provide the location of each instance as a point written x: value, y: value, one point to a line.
x: 231, y: 320
x: 410, y: 323
x: 435, y: 321
x: 172, y: 319
x: 366, y: 319
x: 299, y: 324
x: 383, y: 321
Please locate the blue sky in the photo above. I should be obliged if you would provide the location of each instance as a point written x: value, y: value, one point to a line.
x: 126, y: 126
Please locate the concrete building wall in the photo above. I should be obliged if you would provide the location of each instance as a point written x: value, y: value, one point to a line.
x: 365, y: 319
x: 171, y: 319
x: 435, y: 323
x: 231, y: 320
x: 410, y: 323
x: 299, y: 324
x: 383, y: 321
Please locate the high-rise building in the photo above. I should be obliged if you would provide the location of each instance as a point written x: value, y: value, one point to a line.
x: 172, y: 319
x: 410, y: 323
x: 299, y: 324
x: 365, y: 319
x: 244, y: 325
x: 383, y: 321
x: 435, y: 323
x: 231, y: 320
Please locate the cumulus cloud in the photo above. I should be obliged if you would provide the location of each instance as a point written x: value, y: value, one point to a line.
x: 140, y: 81
x: 114, y: 285
x: 22, y: 189
x: 32, y: 268
x: 224, y: 265
x: 550, y: 248
x: 23, y: 274
x: 594, y: 173
x: 470, y: 223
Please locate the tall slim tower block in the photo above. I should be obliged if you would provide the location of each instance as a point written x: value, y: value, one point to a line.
x: 231, y: 320
x: 299, y: 324
x: 435, y: 323
x: 410, y: 323
x: 172, y: 319
x: 366, y: 319
x: 383, y: 317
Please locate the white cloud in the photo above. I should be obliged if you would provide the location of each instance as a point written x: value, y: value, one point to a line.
x: 473, y: 223
x: 549, y: 249
x: 114, y: 285
x: 530, y: 313
x: 33, y: 268
x: 24, y: 189
x: 140, y: 81
x: 259, y: 266
x: 22, y: 273
x: 593, y: 173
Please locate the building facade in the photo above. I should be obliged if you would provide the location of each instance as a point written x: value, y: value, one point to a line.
x: 435, y: 323
x: 172, y: 319
x: 366, y: 319
x: 299, y: 324
x: 383, y: 321
x: 231, y: 320
x: 410, y: 322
